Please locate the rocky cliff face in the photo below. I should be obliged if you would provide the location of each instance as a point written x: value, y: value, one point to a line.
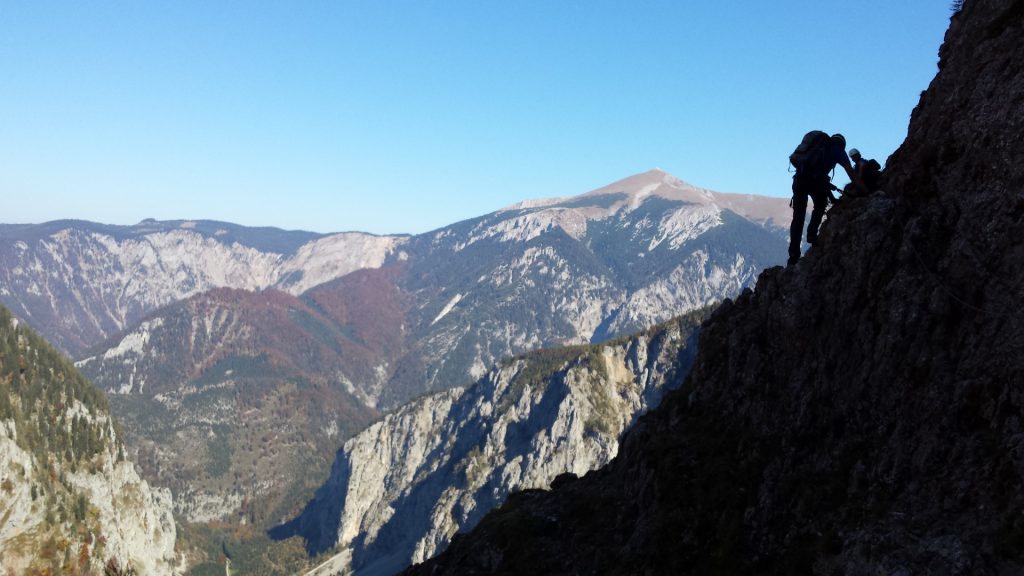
x: 859, y: 413
x: 399, y: 490
x: 70, y: 502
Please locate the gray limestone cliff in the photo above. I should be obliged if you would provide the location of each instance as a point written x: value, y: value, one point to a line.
x: 78, y: 283
x: 69, y: 501
x: 401, y: 489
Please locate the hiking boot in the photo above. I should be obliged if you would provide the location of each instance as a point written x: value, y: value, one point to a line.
x: 794, y: 255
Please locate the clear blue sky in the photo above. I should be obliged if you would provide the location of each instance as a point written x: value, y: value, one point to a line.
x: 401, y: 116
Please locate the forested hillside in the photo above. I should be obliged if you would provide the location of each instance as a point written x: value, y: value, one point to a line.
x: 71, y: 502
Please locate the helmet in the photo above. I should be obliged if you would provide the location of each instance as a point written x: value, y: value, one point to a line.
x: 854, y: 152
x: 840, y: 139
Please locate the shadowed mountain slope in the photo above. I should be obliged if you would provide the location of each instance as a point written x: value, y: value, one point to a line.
x: 859, y: 413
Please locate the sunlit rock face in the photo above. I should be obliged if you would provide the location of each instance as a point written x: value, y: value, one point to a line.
x: 78, y: 283
x: 69, y: 499
x: 401, y: 489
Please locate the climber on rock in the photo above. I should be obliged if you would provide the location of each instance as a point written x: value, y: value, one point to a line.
x: 869, y: 171
x: 815, y: 157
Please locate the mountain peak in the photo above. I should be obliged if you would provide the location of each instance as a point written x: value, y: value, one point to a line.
x: 629, y: 194
x: 658, y: 183
x: 655, y: 182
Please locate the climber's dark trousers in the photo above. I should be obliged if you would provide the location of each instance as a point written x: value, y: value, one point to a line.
x: 817, y: 190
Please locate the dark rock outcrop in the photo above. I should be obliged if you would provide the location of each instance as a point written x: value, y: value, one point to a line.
x: 859, y: 413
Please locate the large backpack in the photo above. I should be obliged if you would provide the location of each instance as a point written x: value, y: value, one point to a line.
x: 811, y: 153
x: 870, y: 174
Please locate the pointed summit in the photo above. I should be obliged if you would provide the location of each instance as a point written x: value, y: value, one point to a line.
x: 636, y: 187
x: 655, y: 182
x: 658, y: 183
x: 631, y: 192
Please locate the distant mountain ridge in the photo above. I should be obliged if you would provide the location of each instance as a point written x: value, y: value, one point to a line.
x: 232, y: 367
x: 628, y: 239
x: 579, y: 269
x: 264, y: 239
x: 79, y: 283
x: 632, y: 191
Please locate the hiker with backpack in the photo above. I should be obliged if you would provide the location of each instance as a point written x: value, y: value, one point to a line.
x: 868, y: 170
x: 815, y: 157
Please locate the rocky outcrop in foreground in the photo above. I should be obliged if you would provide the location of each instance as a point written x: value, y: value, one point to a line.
x: 859, y: 413
x: 399, y: 490
x: 69, y: 501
